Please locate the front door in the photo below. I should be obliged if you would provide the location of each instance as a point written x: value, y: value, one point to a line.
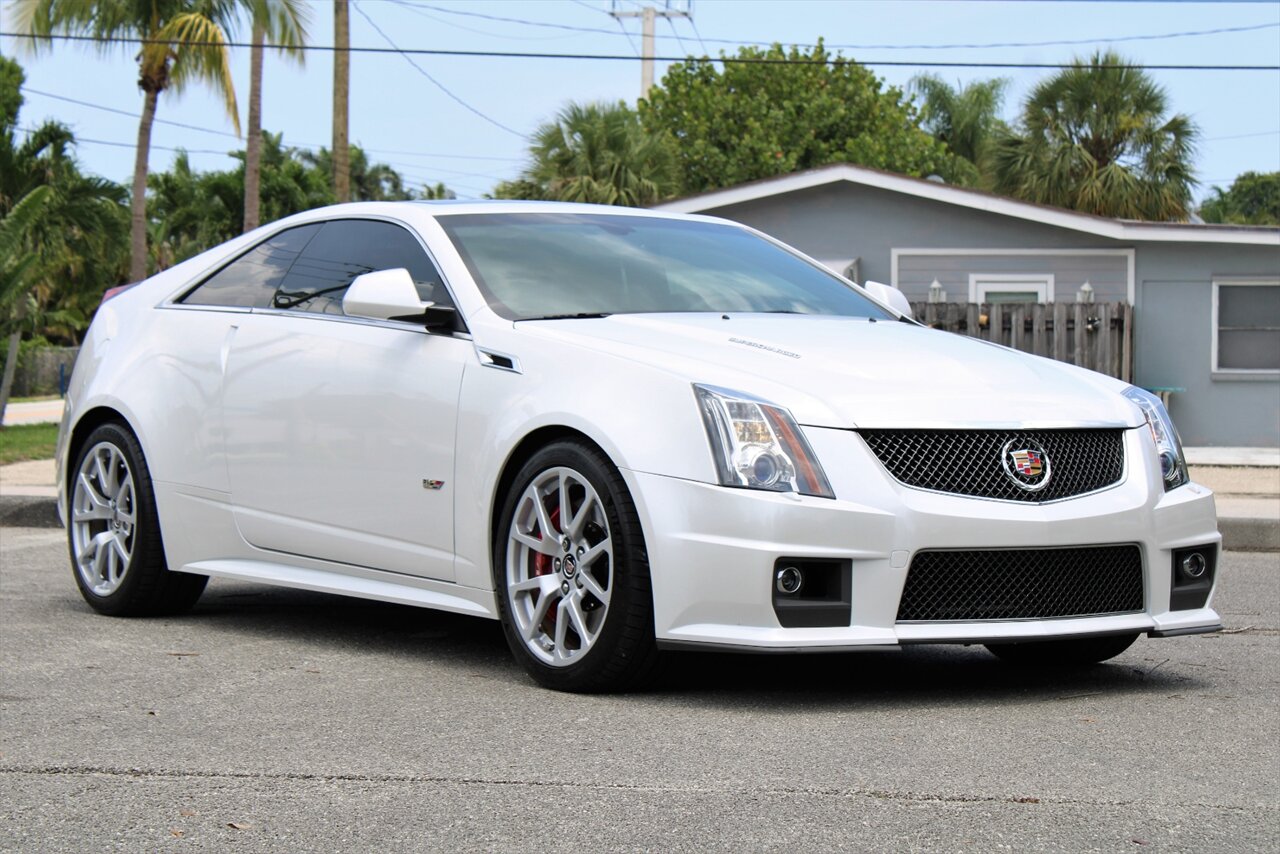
x: 340, y: 440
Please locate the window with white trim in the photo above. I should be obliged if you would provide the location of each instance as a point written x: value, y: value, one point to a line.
x: 1010, y: 287
x: 1246, y: 326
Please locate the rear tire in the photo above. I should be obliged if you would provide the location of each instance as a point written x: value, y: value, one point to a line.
x: 113, y: 532
x: 1073, y: 652
x: 571, y: 574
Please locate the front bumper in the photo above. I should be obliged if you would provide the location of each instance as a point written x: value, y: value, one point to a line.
x: 712, y: 550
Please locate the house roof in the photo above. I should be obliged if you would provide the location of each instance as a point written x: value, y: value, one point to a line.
x: 1116, y: 229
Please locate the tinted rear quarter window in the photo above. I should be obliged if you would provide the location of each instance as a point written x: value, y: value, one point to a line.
x: 251, y: 280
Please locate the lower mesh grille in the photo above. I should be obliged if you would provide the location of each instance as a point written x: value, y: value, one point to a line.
x: 1022, y: 584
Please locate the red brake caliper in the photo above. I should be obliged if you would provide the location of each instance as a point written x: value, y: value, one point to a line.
x: 542, y: 566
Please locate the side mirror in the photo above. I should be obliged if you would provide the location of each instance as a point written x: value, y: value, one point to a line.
x: 391, y: 295
x: 889, y: 295
x: 382, y: 295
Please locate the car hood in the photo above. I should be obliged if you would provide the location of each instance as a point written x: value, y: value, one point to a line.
x: 851, y: 372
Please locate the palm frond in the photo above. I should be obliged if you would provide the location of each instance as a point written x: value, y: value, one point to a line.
x: 198, y: 45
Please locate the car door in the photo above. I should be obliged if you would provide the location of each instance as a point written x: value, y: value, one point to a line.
x: 193, y: 341
x: 340, y: 431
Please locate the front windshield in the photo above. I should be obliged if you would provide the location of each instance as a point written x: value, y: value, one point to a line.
x: 538, y: 265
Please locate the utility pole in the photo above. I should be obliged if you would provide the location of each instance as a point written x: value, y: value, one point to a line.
x: 341, y: 100
x: 647, y: 16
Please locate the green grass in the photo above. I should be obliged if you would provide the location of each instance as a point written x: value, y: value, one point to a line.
x: 27, y: 442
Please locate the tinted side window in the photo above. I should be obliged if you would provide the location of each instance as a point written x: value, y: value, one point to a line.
x: 343, y: 250
x: 251, y: 280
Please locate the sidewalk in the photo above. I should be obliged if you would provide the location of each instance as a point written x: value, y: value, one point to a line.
x: 34, y: 412
x: 1246, y: 483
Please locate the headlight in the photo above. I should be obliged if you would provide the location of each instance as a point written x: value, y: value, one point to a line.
x: 758, y: 445
x: 1173, y: 466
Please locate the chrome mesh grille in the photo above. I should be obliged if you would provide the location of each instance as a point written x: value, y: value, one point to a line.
x: 1022, y: 584
x: 967, y: 462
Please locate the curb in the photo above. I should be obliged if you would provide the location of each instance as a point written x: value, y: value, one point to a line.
x: 29, y: 511
x: 1245, y: 534
x: 1239, y: 533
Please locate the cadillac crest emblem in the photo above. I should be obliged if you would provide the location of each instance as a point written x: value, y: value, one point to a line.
x: 1026, y: 464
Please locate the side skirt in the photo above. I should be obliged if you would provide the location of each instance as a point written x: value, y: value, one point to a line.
x: 389, y: 587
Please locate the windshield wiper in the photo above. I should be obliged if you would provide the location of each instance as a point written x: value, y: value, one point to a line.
x: 574, y: 316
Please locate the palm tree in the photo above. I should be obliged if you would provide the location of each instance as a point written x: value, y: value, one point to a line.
x: 598, y: 153
x: 58, y: 227
x: 964, y: 117
x: 366, y: 182
x: 183, y: 41
x: 285, y: 23
x: 431, y: 192
x: 1095, y: 137
x: 341, y: 99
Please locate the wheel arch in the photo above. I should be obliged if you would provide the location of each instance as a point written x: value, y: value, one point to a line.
x: 529, y: 445
x: 91, y: 420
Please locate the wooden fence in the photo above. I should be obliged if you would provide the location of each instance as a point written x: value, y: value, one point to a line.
x: 1097, y: 336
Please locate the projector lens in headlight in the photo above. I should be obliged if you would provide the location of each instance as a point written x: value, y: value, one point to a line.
x: 1173, y: 466
x: 758, y: 445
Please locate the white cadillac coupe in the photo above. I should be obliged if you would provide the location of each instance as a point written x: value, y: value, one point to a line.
x: 616, y: 432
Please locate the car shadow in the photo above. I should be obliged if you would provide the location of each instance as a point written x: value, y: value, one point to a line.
x: 923, y: 674
x: 929, y: 674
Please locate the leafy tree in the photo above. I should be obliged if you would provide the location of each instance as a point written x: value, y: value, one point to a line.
x: 1096, y: 137
x: 61, y: 232
x: 285, y: 23
x: 185, y: 42
x: 437, y: 191
x: 1252, y: 199
x: 599, y: 154
x: 368, y: 182
x: 965, y: 118
x: 191, y: 211
x: 519, y: 188
x: 796, y: 111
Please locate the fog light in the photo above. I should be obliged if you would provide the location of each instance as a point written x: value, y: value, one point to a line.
x: 789, y: 580
x: 1194, y: 565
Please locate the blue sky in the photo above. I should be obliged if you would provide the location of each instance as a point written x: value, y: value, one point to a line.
x: 404, y: 119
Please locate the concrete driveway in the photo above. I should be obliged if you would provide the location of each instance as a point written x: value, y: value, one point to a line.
x: 278, y: 720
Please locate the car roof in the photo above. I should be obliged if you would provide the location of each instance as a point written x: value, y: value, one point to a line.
x: 445, y: 208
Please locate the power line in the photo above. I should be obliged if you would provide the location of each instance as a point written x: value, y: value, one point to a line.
x: 399, y: 167
x: 1243, y: 135
x: 679, y: 40
x: 421, y: 12
x: 701, y: 41
x: 424, y: 73
x: 854, y: 46
x: 724, y: 60
x: 120, y: 112
x: 79, y: 139
x: 117, y: 111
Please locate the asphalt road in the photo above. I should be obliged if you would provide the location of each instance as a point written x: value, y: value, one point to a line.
x: 276, y: 720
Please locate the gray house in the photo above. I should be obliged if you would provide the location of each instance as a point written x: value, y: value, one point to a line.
x: 1206, y: 297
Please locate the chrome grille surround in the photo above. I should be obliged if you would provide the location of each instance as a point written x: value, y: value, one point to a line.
x: 1022, y: 584
x: 969, y: 462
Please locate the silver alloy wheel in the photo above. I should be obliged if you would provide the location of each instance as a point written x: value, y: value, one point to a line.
x: 559, y: 566
x: 103, y: 518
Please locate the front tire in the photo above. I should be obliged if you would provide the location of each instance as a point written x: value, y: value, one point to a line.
x: 113, y: 533
x: 571, y: 573
x: 1072, y: 652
